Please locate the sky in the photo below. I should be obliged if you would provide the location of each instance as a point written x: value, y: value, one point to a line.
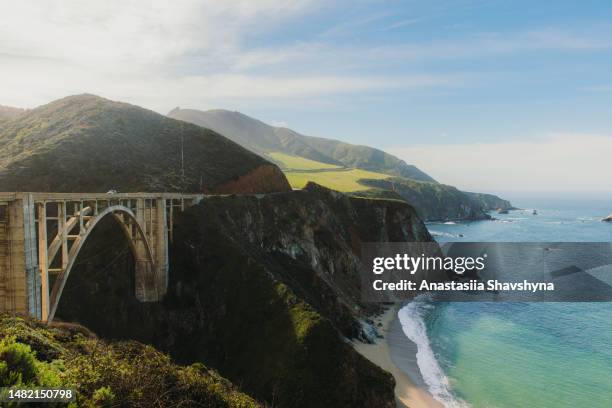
x: 485, y: 95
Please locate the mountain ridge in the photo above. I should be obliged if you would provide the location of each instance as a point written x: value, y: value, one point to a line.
x: 433, y: 201
x: 85, y: 142
x: 244, y: 130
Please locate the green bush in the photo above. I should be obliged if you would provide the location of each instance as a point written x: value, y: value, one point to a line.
x: 17, y: 363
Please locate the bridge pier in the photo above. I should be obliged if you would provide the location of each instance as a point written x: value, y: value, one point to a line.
x: 19, y: 275
x: 151, y: 281
x: 41, y: 235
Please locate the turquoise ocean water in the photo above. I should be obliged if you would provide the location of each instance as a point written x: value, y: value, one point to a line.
x: 519, y: 354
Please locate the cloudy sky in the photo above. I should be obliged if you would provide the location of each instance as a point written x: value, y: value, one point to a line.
x: 480, y: 94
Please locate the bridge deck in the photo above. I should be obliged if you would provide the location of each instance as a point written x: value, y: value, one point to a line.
x: 12, y: 196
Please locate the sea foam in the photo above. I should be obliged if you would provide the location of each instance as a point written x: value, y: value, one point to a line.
x: 413, y: 326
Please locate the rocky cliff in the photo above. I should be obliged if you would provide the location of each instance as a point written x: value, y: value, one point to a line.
x: 432, y: 201
x: 490, y: 202
x: 265, y: 289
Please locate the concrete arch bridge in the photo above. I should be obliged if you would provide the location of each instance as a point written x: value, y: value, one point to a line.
x: 41, y: 235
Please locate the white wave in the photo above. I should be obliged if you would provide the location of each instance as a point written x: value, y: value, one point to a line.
x: 444, y: 234
x: 450, y: 223
x: 414, y: 328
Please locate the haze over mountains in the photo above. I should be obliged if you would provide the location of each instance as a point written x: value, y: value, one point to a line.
x: 94, y: 144
x: 359, y: 170
x: 264, y: 139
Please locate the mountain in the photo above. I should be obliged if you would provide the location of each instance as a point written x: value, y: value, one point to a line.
x: 263, y: 288
x: 90, y: 144
x: 265, y: 139
x: 7, y: 112
x: 346, y: 167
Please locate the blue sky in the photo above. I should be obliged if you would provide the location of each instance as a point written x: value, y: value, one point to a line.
x: 404, y: 76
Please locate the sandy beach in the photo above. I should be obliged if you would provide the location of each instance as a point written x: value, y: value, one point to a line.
x: 393, y: 348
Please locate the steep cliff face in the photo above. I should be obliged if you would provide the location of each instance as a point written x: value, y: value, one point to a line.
x: 263, y: 288
x: 433, y: 202
x: 490, y: 202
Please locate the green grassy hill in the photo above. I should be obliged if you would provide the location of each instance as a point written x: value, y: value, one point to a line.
x: 344, y: 167
x: 87, y: 143
x: 265, y: 139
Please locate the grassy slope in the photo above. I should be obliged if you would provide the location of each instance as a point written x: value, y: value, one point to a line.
x: 340, y: 180
x: 291, y: 162
x: 263, y: 139
x: 433, y: 201
x: 300, y: 171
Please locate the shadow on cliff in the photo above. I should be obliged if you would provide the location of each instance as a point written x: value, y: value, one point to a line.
x: 265, y: 290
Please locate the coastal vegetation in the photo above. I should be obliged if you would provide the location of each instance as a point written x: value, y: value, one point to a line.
x: 345, y: 180
x: 290, y: 162
x: 104, y: 373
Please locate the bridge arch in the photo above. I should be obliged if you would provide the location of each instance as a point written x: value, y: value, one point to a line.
x: 141, y: 249
x: 41, y: 235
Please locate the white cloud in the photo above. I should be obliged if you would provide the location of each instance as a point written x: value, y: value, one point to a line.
x: 159, y: 54
x: 196, y: 52
x: 560, y: 162
x: 132, y: 31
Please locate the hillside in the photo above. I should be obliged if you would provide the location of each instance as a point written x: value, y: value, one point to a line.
x: 265, y: 289
x: 490, y: 202
x: 265, y: 139
x: 345, y: 167
x: 433, y: 201
x: 106, y: 374
x: 87, y: 143
x: 7, y: 112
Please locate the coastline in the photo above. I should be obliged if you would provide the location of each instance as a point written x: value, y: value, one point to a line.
x: 407, y: 392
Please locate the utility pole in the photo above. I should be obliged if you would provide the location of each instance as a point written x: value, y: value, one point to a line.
x: 183, y: 155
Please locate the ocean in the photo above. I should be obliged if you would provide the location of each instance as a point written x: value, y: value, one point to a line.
x: 512, y: 354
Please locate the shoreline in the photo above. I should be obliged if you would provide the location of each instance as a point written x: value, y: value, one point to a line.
x: 407, y: 392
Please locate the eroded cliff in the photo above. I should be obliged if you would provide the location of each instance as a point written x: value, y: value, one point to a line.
x: 263, y: 288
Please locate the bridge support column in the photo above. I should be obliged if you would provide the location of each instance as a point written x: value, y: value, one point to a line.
x: 19, y: 263
x: 151, y: 279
